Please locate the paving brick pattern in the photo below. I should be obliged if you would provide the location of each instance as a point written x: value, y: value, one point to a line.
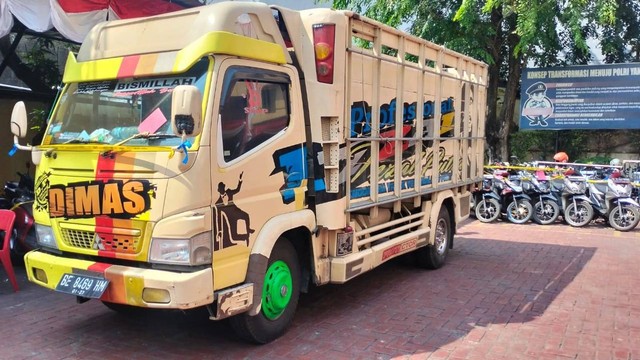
x: 507, y: 292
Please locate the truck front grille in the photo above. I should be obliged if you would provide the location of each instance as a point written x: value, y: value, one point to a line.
x: 79, y: 239
x: 109, y: 242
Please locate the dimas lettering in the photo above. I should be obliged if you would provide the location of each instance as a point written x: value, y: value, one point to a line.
x: 114, y: 198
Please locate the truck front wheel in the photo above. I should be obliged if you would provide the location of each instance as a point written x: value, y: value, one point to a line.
x: 280, y: 293
x: 434, y: 256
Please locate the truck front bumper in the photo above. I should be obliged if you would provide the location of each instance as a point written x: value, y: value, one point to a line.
x: 127, y: 285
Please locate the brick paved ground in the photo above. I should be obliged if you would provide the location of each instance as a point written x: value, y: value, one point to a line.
x: 507, y: 292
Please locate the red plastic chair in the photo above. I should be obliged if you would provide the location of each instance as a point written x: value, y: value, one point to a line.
x: 7, y: 218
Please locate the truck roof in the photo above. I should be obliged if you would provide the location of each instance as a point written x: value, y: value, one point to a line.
x: 175, y: 31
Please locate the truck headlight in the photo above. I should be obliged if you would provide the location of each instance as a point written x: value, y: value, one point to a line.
x: 45, y: 236
x: 194, y: 251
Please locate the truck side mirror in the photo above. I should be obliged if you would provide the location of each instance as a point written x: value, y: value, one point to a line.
x: 19, y: 120
x: 19, y: 127
x: 186, y: 110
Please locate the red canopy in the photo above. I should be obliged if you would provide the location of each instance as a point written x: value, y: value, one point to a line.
x: 74, y: 18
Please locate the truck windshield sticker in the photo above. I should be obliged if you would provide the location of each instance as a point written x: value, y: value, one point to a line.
x: 254, y: 98
x: 226, y: 217
x: 153, y: 122
x: 90, y: 87
x: 115, y: 198
x: 154, y: 83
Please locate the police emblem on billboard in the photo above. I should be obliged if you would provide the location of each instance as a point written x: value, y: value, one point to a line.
x: 538, y: 107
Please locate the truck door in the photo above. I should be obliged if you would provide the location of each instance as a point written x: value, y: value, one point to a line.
x: 259, y: 149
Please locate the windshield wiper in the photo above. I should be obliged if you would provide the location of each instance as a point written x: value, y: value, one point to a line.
x: 83, y: 141
x: 145, y: 135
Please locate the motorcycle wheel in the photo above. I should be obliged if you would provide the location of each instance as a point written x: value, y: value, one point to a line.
x: 487, y: 210
x: 521, y: 212
x: 624, y: 218
x: 579, y: 215
x: 16, y: 253
x: 545, y: 212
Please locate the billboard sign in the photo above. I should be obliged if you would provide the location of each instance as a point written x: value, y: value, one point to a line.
x: 581, y: 97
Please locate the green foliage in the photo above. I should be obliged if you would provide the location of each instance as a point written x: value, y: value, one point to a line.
x: 532, y: 145
x: 542, y: 145
x: 550, y: 32
x: 574, y: 142
x: 620, y: 39
x: 37, y: 119
x: 42, y: 60
x: 634, y: 140
x: 598, y: 159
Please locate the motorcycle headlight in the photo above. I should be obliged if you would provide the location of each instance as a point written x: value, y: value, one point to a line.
x: 45, y: 236
x: 194, y: 251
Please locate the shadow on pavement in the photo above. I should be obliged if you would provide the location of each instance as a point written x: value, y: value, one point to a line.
x: 392, y: 311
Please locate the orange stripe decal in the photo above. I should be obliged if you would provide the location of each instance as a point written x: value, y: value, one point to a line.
x: 117, y: 290
x: 146, y: 64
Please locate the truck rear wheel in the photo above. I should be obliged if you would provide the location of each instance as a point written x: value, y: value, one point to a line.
x: 280, y: 293
x: 434, y: 256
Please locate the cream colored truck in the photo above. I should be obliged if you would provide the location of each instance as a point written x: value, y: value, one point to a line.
x: 230, y: 155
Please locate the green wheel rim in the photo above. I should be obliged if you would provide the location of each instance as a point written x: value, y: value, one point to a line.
x: 277, y: 290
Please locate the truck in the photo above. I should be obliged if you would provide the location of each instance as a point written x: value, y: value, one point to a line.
x: 233, y: 155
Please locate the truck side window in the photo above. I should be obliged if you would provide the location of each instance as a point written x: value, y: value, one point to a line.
x: 253, y: 109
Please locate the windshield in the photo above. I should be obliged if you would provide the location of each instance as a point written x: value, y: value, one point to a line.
x: 112, y: 111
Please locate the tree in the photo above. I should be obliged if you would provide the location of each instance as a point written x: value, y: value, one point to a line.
x: 507, y: 35
x: 35, y: 62
x: 620, y: 41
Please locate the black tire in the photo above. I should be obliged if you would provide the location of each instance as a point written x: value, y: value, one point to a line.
x: 434, y: 256
x: 624, y: 217
x: 264, y: 327
x: 579, y: 215
x: 545, y: 212
x: 487, y: 210
x: 521, y: 213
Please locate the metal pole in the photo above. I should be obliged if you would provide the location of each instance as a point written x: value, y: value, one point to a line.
x: 21, y: 29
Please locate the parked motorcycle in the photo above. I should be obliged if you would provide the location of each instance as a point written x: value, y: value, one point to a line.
x: 576, y: 206
x: 18, y: 197
x: 516, y: 204
x: 635, y: 190
x: 613, y: 202
x: 485, y: 201
x: 546, y: 206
